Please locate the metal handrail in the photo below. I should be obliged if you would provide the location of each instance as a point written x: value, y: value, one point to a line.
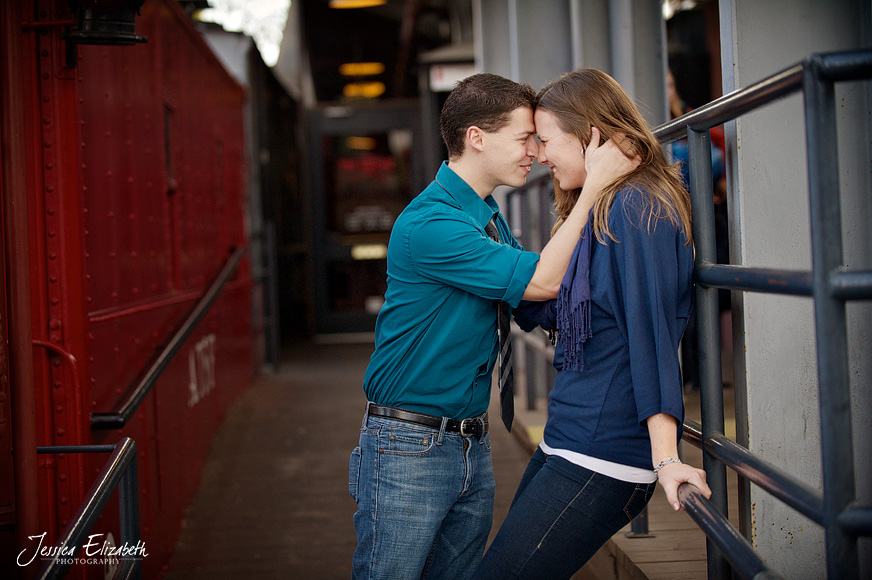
x: 829, y: 283
x: 125, y: 409
x: 801, y: 497
x: 753, y: 279
x: 119, y: 472
x: 833, y: 66
x: 737, y: 550
x: 825, y: 284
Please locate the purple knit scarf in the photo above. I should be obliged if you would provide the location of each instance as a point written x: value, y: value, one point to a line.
x: 573, y: 303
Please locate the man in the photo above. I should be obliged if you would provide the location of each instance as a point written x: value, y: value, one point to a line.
x: 422, y: 475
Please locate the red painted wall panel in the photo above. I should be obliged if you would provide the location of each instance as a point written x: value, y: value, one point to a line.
x: 136, y: 173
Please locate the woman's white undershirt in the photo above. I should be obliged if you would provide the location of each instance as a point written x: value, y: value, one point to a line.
x: 609, y: 468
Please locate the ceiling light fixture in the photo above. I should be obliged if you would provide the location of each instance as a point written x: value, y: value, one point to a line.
x: 361, y: 69
x: 356, y: 3
x: 363, y: 90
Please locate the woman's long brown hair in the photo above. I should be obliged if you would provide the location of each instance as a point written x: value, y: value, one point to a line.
x: 589, y: 97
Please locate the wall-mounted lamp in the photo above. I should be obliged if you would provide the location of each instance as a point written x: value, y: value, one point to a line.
x: 105, y: 21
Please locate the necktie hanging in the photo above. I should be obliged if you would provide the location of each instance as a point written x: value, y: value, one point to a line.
x: 504, y: 329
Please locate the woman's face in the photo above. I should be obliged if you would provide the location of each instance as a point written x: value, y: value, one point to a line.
x: 560, y: 151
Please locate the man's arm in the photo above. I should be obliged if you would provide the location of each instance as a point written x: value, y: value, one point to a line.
x: 604, y: 164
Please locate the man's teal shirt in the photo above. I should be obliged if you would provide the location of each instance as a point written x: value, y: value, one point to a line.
x: 435, y: 338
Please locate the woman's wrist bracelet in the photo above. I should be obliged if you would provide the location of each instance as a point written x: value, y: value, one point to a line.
x: 664, y: 463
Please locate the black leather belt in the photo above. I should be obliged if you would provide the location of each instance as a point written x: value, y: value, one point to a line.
x: 473, y: 427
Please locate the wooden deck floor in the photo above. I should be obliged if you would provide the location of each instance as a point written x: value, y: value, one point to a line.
x: 274, y: 501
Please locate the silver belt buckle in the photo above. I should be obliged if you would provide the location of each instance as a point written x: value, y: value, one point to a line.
x: 465, y: 422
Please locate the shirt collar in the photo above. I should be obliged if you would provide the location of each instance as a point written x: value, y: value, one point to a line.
x: 465, y: 197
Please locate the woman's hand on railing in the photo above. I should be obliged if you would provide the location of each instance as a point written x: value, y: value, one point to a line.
x: 673, y: 475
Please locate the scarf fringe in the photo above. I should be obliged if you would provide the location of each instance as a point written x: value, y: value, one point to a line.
x: 573, y: 303
x: 573, y: 320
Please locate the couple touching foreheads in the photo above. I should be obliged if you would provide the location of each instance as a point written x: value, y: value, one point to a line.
x: 614, y: 283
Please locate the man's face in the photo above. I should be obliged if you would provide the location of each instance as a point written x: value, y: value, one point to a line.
x: 509, y: 152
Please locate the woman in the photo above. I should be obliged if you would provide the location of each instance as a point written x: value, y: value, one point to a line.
x: 616, y: 407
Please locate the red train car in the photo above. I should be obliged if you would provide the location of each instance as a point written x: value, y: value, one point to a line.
x: 123, y: 183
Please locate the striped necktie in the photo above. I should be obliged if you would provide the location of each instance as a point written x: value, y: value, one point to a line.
x: 504, y: 329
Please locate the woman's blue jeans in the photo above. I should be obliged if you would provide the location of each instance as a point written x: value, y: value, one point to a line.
x: 424, y: 501
x: 560, y: 516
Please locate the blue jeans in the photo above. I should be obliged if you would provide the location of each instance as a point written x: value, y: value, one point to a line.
x: 424, y: 501
x: 560, y: 516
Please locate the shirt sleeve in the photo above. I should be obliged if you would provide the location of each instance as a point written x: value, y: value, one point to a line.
x: 456, y: 252
x: 530, y: 314
x: 649, y: 272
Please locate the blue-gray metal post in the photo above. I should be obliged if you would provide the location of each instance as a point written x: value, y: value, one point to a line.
x: 837, y: 451
x: 128, y: 507
x: 708, y: 334
x: 639, y: 526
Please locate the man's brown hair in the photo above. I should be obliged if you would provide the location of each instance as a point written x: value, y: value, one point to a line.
x: 482, y: 100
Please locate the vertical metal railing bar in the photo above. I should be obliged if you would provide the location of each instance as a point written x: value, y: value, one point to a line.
x: 780, y: 484
x: 121, y: 463
x: 837, y: 451
x: 526, y: 206
x: 128, y: 499
x: 708, y: 335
